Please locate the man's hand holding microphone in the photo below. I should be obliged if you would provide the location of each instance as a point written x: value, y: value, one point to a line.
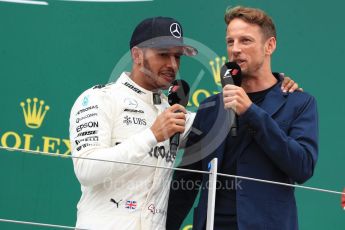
x: 171, y: 123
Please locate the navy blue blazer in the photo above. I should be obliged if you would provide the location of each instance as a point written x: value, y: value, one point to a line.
x: 279, y: 142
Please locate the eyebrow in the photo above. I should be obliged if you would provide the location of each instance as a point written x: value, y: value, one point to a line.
x: 242, y: 36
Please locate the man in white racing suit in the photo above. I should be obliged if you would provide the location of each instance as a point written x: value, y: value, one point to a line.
x: 130, y: 121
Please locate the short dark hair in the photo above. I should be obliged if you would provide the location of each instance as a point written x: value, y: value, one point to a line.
x: 252, y: 16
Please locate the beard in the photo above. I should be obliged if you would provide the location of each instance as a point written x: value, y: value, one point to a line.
x: 253, y: 69
x: 156, y: 79
x: 146, y: 69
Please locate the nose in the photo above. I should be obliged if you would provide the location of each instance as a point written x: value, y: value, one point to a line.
x: 236, y: 48
x: 174, y: 62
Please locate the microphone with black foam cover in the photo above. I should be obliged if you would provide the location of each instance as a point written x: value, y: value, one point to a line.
x: 230, y: 74
x: 178, y: 94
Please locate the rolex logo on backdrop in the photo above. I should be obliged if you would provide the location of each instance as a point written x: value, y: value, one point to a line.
x: 35, y: 113
x: 216, y: 66
x: 200, y: 94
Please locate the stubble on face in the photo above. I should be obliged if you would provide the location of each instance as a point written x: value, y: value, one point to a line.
x: 159, y: 76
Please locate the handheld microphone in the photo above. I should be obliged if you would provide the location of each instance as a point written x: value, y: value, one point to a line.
x: 178, y: 94
x: 230, y: 73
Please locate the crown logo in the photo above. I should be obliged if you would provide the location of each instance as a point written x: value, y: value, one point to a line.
x: 33, y: 116
x: 215, y: 66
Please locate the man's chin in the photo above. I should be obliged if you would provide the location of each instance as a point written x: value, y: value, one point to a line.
x: 165, y: 87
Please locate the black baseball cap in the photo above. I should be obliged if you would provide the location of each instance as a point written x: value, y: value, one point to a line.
x: 160, y: 32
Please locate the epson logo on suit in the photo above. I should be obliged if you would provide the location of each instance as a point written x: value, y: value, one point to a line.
x: 90, y: 124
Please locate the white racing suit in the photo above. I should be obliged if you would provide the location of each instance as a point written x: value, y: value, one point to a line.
x: 112, y: 123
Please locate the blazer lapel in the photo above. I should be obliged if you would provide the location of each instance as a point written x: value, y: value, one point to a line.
x: 275, y: 99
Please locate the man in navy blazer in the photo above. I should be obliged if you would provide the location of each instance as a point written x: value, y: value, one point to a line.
x: 277, y: 139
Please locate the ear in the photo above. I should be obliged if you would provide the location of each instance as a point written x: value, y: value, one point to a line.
x: 137, y: 55
x: 270, y: 46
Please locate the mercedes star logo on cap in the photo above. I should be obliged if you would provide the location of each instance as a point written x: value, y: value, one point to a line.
x: 175, y: 30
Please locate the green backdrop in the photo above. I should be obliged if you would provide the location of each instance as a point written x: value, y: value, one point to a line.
x: 53, y: 52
